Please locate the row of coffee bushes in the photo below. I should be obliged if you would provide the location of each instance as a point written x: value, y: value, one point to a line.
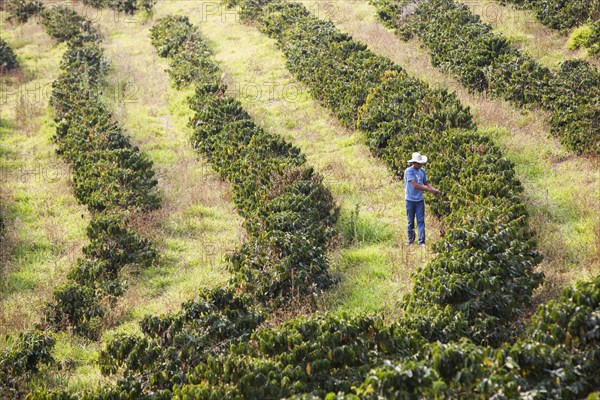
x: 340, y: 357
x: 21, y: 10
x: 110, y: 176
x: 289, y: 216
x: 560, y: 14
x: 482, y: 276
x: 460, y: 43
x: 22, y: 358
x: 558, y: 358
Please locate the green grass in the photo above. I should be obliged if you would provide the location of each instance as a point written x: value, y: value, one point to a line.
x: 359, y: 228
x: 45, y: 227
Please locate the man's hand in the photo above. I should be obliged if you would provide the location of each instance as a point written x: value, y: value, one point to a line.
x: 431, y: 189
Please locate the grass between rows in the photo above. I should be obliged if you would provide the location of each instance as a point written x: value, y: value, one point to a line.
x: 45, y: 225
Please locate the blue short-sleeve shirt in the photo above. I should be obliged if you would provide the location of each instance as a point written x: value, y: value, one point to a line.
x: 419, y: 175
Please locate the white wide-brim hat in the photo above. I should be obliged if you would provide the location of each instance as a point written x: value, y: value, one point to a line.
x: 417, y: 157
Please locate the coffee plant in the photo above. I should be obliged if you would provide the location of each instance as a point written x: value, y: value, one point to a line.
x: 125, y: 6
x: 63, y: 23
x: 110, y: 176
x: 561, y: 14
x: 21, y: 10
x: 8, y: 60
x: 461, y: 44
x: 21, y: 359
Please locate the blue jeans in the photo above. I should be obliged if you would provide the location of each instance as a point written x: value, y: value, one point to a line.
x: 415, y: 208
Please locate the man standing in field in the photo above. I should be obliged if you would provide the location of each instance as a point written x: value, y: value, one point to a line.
x: 415, y: 183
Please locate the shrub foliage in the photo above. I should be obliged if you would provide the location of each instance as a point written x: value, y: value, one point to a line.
x: 461, y: 44
x: 561, y: 14
x: 110, y: 176
x: 8, y: 60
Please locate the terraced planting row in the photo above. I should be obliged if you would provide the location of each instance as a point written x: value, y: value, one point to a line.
x: 483, y: 61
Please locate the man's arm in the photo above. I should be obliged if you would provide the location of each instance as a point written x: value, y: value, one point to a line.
x: 426, y: 187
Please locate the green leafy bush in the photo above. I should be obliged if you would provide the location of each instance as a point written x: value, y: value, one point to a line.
x: 77, y: 307
x: 21, y: 359
x: 561, y: 14
x: 8, y: 60
x: 126, y: 6
x: 63, y: 23
x: 461, y: 44
x: 22, y: 10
